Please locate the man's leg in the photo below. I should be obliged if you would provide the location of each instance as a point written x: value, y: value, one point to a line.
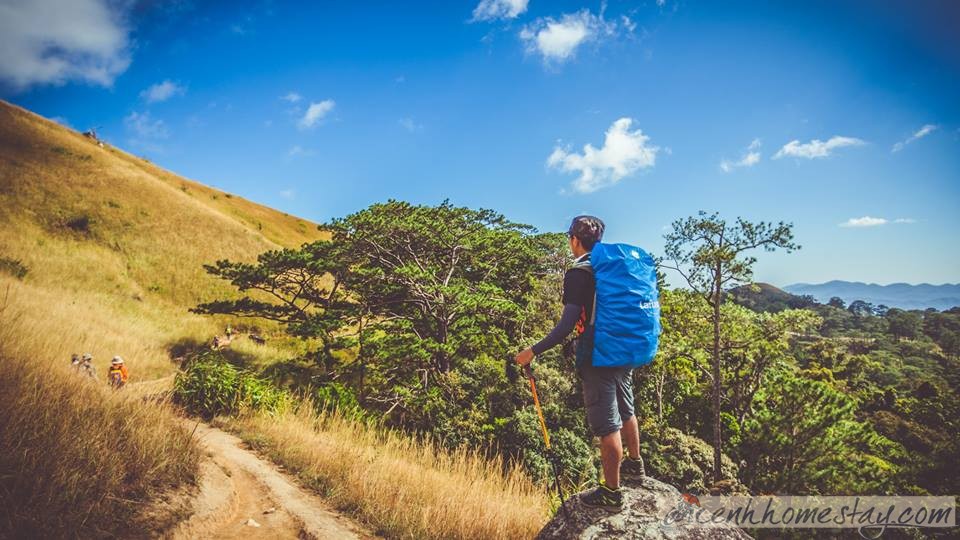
x: 632, y: 468
x: 600, y: 400
x: 631, y: 436
x: 611, y: 450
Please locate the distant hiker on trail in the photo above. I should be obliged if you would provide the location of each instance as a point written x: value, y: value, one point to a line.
x: 117, y: 376
x: 86, y: 366
x: 229, y: 332
x: 620, y: 281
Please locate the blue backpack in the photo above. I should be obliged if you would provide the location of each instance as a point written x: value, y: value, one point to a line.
x: 625, y: 324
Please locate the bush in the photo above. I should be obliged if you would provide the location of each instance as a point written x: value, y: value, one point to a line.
x: 210, y: 386
x: 521, y: 436
x: 336, y: 396
x: 14, y: 267
x: 79, y: 223
x: 680, y: 459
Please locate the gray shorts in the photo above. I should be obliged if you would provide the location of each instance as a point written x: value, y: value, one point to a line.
x: 607, y: 396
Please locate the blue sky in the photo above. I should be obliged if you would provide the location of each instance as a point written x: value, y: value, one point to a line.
x: 840, y: 117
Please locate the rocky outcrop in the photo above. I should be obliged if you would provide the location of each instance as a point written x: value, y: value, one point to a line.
x: 651, y: 510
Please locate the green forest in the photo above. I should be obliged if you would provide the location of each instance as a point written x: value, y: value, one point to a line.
x: 411, y: 316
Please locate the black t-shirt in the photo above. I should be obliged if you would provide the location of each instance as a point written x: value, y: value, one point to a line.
x: 578, y: 289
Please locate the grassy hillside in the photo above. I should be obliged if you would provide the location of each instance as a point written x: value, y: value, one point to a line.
x: 113, y: 246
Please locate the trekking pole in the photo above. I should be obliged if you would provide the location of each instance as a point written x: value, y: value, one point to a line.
x: 551, y: 457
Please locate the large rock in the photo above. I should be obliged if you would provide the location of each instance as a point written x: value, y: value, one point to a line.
x: 644, y: 516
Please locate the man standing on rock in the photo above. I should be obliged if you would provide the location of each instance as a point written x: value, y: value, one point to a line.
x: 607, y: 391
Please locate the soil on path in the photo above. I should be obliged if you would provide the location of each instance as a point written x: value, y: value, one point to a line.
x: 237, y: 486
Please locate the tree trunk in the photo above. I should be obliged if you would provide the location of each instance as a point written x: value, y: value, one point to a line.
x: 658, y: 387
x: 717, y: 439
x: 442, y: 361
x: 363, y: 361
x: 659, y: 405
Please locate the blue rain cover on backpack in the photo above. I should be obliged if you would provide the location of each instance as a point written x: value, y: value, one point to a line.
x: 626, y: 312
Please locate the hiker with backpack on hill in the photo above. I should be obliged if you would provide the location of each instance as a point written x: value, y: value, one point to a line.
x: 610, y: 298
x: 117, y: 376
x: 86, y: 366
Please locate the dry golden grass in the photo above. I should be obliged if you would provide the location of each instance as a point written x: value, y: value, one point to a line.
x: 403, y: 488
x: 80, y: 460
x: 76, y: 458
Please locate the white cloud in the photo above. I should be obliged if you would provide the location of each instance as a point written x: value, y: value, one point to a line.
x: 56, y: 41
x: 919, y: 134
x: 315, y: 113
x: 292, y: 97
x: 868, y: 221
x: 287, y: 193
x: 410, y: 125
x: 145, y: 127
x: 624, y: 152
x: 816, y: 148
x: 162, y: 91
x: 558, y: 40
x: 751, y: 157
x: 865, y: 221
x: 490, y: 10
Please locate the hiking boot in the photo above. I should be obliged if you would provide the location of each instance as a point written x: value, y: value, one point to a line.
x: 632, y: 469
x: 603, y: 497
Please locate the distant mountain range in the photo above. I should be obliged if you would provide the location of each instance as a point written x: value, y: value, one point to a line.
x: 899, y: 295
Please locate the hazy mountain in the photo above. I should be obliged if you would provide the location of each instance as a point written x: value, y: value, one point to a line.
x: 900, y: 295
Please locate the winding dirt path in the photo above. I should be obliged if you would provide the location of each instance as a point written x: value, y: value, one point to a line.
x: 237, y: 486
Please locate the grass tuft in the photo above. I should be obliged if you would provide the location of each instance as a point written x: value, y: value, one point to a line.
x: 14, y: 267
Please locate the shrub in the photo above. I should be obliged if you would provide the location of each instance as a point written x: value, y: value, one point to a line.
x: 210, y: 386
x: 521, y: 436
x: 334, y: 395
x: 680, y: 459
x: 79, y: 223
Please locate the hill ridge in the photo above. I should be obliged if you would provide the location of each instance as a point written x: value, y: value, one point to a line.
x: 898, y: 295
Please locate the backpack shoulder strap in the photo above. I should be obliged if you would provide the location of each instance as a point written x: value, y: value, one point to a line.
x: 584, y: 264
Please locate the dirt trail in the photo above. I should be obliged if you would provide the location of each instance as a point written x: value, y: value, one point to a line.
x: 237, y: 486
